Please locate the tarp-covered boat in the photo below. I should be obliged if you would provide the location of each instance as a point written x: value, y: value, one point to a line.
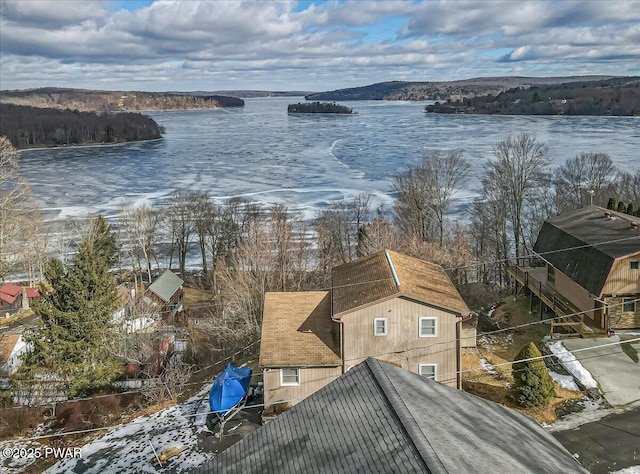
x: 229, y: 389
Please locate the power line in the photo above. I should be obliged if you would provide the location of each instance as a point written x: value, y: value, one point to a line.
x: 142, y: 422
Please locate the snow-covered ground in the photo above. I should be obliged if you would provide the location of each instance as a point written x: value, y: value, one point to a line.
x: 564, y: 381
x: 572, y: 364
x: 130, y: 447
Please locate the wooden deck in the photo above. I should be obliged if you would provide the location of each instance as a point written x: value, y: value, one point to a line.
x: 535, y: 279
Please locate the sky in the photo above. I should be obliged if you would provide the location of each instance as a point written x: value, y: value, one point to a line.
x: 209, y: 45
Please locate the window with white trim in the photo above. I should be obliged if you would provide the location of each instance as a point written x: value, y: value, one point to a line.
x: 428, y: 327
x: 629, y: 305
x: 290, y: 376
x: 429, y: 371
x: 380, y: 326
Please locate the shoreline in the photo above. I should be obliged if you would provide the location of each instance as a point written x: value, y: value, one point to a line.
x: 87, y: 145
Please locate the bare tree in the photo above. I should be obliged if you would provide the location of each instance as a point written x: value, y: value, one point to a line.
x: 16, y: 208
x: 179, y: 217
x: 629, y: 187
x: 139, y: 224
x: 585, y: 179
x: 340, y: 230
x: 424, y: 193
x: 520, y: 172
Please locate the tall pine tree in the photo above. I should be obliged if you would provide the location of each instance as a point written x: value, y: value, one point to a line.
x: 75, y: 341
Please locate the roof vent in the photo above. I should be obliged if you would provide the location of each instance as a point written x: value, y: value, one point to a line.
x: 607, y: 215
x: 634, y: 225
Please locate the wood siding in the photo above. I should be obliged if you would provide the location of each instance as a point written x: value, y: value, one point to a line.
x: 580, y: 297
x: 311, y: 380
x: 622, y: 279
x: 619, y: 319
x: 402, y: 345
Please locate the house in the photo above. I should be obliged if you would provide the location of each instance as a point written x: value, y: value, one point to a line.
x: 12, y: 346
x: 165, y: 294
x: 591, y: 263
x: 381, y: 418
x: 10, y: 299
x: 387, y: 305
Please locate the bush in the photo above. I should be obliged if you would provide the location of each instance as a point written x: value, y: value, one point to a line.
x: 612, y: 204
x: 532, y: 383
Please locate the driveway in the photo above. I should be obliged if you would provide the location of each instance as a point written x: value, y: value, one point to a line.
x: 607, y: 445
x: 616, y: 368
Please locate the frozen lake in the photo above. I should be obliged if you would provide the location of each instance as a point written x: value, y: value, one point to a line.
x: 304, y: 161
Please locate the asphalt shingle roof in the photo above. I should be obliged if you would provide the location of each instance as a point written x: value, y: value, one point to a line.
x: 381, y: 418
x: 297, y: 329
x: 586, y: 228
x: 369, y: 279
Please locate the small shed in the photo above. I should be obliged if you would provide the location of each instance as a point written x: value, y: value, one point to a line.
x: 166, y: 293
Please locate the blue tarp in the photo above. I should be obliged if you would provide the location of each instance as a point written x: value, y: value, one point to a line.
x: 229, y: 388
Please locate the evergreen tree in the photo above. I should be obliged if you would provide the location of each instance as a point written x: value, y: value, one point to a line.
x: 621, y: 207
x: 532, y: 383
x: 75, y: 340
x: 612, y: 204
x: 630, y: 209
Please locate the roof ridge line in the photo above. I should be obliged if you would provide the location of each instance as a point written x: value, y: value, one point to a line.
x: 414, y: 434
x: 393, y: 269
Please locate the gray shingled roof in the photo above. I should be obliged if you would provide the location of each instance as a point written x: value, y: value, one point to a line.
x: 589, y: 265
x: 166, y: 285
x: 380, y: 418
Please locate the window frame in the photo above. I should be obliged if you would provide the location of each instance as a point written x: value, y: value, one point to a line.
x: 435, y: 371
x: 435, y: 326
x: 375, y: 327
x: 634, y: 265
x: 290, y: 384
x: 625, y: 302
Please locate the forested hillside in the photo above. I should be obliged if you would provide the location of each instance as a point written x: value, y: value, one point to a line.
x: 99, y: 101
x: 610, y: 97
x: 442, y: 90
x: 30, y: 126
x: 318, y: 108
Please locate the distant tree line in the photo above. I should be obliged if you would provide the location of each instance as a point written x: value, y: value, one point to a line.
x: 318, y: 108
x: 114, y: 101
x: 30, y: 126
x: 608, y: 97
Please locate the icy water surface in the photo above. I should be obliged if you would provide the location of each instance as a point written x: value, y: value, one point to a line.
x: 304, y: 161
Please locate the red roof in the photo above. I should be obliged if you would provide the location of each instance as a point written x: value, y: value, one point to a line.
x: 33, y: 293
x: 9, y: 292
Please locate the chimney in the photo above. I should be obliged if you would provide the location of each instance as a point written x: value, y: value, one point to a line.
x: 607, y: 215
x: 633, y: 225
x: 25, y: 299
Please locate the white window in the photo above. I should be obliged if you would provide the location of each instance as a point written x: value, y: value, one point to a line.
x: 380, y: 326
x: 428, y: 327
x: 289, y: 376
x: 429, y: 370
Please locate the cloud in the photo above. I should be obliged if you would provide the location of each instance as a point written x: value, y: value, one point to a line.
x: 232, y: 44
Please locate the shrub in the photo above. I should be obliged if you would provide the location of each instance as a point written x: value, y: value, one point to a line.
x: 532, y: 383
x: 612, y: 204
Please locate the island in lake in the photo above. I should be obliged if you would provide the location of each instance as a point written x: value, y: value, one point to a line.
x: 319, y: 108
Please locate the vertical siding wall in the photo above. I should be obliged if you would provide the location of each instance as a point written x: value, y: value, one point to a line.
x: 623, y: 280
x: 311, y: 380
x: 402, y: 345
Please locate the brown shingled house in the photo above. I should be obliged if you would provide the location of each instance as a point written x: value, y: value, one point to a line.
x: 591, y: 263
x: 387, y: 305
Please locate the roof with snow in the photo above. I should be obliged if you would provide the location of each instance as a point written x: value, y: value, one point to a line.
x: 594, y: 242
x: 166, y: 285
x: 381, y: 418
